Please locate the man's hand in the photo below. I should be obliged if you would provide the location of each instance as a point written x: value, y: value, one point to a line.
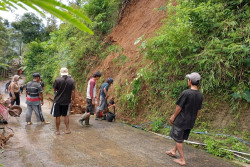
x: 172, y: 118
x: 41, y: 102
x: 93, y: 102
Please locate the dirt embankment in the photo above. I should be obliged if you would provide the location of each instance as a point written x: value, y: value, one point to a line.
x: 140, y: 17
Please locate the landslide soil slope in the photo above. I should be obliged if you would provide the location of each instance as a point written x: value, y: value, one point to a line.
x: 140, y: 18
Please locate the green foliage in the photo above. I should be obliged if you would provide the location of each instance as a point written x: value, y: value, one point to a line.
x: 157, y: 124
x: 208, y: 37
x: 69, y: 47
x: 131, y: 99
x: 103, y: 13
x: 31, y: 27
x: 212, y: 146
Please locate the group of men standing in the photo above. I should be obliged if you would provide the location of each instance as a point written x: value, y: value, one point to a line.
x: 64, y: 90
x: 188, y: 106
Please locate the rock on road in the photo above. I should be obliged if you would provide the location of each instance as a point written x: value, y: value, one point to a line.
x: 103, y: 144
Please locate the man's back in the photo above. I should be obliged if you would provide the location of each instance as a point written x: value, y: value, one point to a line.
x: 64, y: 87
x: 190, y: 101
x: 33, y: 89
x: 106, y: 86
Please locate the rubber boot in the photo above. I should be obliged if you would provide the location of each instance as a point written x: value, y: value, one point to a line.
x: 87, y: 121
x: 104, y: 117
x: 83, y: 117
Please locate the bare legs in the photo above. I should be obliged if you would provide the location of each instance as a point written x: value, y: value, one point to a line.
x: 57, y: 125
x: 172, y: 153
x: 66, y: 121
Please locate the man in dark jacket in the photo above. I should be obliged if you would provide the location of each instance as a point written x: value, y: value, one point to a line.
x: 64, y: 88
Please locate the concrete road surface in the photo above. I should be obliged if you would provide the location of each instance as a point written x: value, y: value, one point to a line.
x: 103, y: 144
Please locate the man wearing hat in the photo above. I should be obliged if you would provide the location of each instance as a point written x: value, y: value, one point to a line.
x: 103, y: 106
x: 90, y: 98
x: 64, y: 88
x: 188, y: 108
x: 34, y: 99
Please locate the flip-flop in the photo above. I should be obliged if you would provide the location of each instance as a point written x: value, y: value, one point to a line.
x: 57, y: 133
x: 29, y: 123
x: 170, y: 154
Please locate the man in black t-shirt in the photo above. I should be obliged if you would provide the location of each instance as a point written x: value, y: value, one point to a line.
x: 64, y: 88
x: 188, y: 108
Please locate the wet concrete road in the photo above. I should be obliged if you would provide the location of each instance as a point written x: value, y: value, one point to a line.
x: 103, y: 144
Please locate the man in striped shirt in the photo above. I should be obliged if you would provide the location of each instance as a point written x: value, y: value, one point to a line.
x: 90, y: 99
x: 34, y: 99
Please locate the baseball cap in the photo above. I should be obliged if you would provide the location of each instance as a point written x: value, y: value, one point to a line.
x: 110, y: 80
x: 64, y: 71
x: 194, y: 76
x: 36, y: 74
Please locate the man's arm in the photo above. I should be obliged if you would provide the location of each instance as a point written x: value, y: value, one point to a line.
x: 92, y: 85
x: 106, y: 92
x: 73, y: 96
x: 41, y: 97
x: 198, y: 113
x: 12, y: 91
x: 177, y: 111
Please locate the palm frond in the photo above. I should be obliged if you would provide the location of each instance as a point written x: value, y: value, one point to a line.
x: 16, y: 3
x: 33, y: 7
x: 63, y: 15
x: 61, y: 5
x: 54, y: 7
x: 10, y: 4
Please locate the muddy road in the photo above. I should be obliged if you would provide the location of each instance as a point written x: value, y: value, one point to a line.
x: 103, y: 144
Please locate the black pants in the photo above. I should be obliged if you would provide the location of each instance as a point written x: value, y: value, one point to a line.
x: 90, y: 107
x: 17, y: 100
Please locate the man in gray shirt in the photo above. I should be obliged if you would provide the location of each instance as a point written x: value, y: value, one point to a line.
x: 34, y: 99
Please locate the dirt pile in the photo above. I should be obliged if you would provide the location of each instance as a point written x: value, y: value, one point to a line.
x: 78, y: 105
x: 3, y: 138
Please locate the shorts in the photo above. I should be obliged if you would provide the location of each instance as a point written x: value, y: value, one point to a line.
x: 90, y: 107
x: 103, y: 104
x: 60, y: 110
x: 179, y: 134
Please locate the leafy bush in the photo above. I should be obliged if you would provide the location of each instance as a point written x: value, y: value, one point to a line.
x: 208, y: 37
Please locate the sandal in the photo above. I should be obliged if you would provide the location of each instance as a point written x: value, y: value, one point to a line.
x: 29, y: 123
x: 57, y: 133
x: 45, y: 122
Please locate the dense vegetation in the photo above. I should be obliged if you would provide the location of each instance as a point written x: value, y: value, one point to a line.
x: 211, y: 37
x: 71, y: 47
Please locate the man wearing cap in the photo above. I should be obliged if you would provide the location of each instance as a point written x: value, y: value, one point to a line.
x: 103, y: 98
x: 64, y: 88
x: 90, y: 98
x: 188, y: 108
x: 34, y: 99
